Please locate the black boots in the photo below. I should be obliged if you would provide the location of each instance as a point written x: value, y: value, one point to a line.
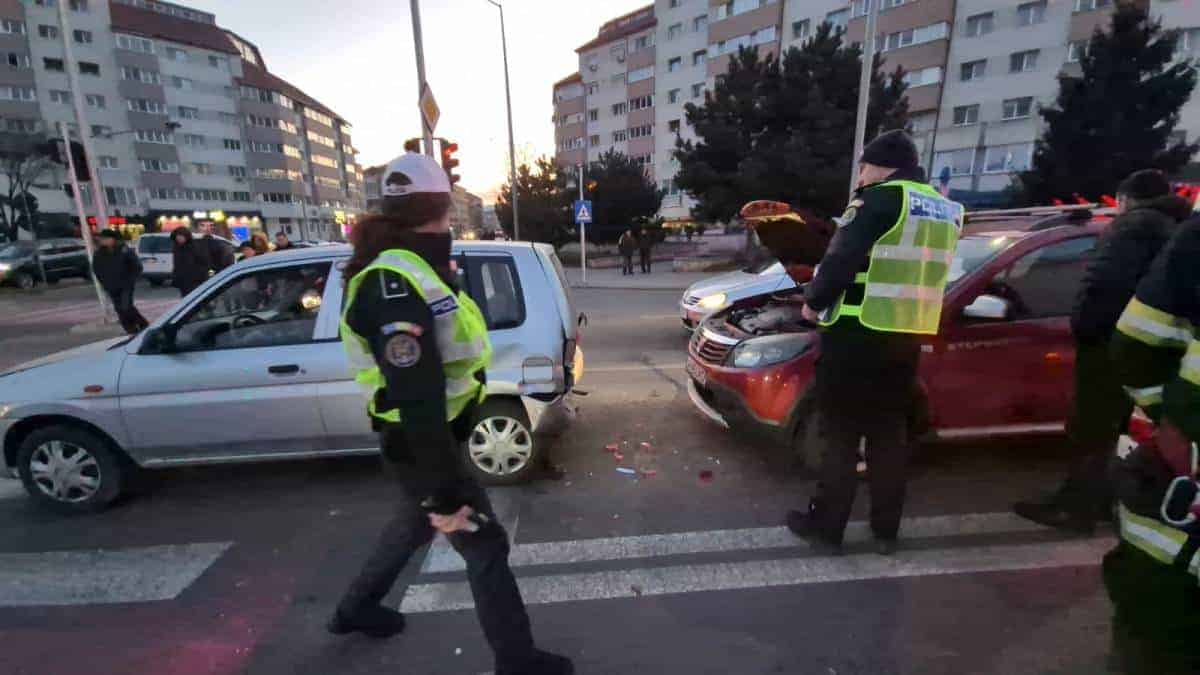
x: 1054, y: 514
x: 376, y: 622
x: 543, y: 663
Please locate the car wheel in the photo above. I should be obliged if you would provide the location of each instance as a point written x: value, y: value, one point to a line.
x: 69, y: 469
x: 24, y: 281
x: 501, y: 449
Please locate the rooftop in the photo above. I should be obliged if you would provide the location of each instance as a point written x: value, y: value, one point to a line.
x: 623, y: 26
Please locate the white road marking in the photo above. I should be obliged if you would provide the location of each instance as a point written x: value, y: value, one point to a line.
x: 442, y: 555
x: 103, y: 577
x: 682, y: 579
x: 751, y: 539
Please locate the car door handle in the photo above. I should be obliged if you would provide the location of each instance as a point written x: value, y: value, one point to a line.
x: 289, y: 369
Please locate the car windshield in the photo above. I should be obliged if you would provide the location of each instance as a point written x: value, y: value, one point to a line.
x: 16, y: 251
x: 154, y: 245
x: 973, y: 252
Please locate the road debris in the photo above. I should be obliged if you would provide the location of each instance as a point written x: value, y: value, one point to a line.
x: 706, y: 476
x: 626, y: 470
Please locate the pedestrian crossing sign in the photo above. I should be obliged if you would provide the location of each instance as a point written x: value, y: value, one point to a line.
x: 583, y: 211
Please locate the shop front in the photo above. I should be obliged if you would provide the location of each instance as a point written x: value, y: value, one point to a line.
x: 238, y: 225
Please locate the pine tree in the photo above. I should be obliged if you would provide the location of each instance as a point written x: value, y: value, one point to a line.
x: 1117, y: 117
x: 545, y: 204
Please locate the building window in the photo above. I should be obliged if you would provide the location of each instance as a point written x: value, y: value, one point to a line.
x: 641, y: 131
x: 674, y: 65
x: 674, y: 31
x: 673, y: 96
x: 698, y: 90
x: 593, y: 115
x: 960, y: 162
x: 974, y: 70
x: 100, y: 130
x: 239, y: 196
x: 108, y: 162
x: 643, y: 42
x: 1023, y: 62
x: 140, y: 75
x: 95, y: 101
x: 924, y: 76
x: 1017, y: 108
x: 146, y: 106
x: 186, y: 113
x: 79, y: 5
x: 83, y: 37
x: 1031, y: 13
x: 194, y: 140
x: 60, y: 96
x: 12, y: 27
x: 700, y: 23
x: 18, y: 61
x: 176, y: 54
x: 45, y: 3
x: 54, y: 65
x: 183, y: 83
x: 228, y: 118
x: 88, y: 68
x: 200, y: 168
x: 981, y: 24
x: 620, y: 108
x: 801, y: 29
x: 641, y: 74
x: 592, y: 88
x: 675, y: 3
x: 1089, y: 5
x: 617, y: 78
x: 966, y: 114
x: 10, y: 93
x: 121, y: 196
x: 619, y: 136
x: 135, y: 44
x: 1008, y: 158
x: 915, y: 36
x: 218, y: 62
x: 641, y: 102
x: 159, y: 166
x: 698, y: 57
x: 1077, y: 50
x: 838, y: 19
x: 237, y: 171
x: 159, y: 137
x: 673, y: 126
x: 48, y: 32
x: 594, y: 140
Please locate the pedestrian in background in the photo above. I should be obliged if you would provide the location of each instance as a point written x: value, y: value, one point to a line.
x: 626, y: 246
x: 282, y: 243
x: 192, y: 262
x: 246, y: 250
x: 219, y: 252
x: 872, y: 315
x: 261, y: 244
x: 117, y: 268
x: 1148, y: 215
x: 645, y: 242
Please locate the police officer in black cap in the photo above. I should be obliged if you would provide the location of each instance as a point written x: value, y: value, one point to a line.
x: 878, y: 288
x: 419, y: 347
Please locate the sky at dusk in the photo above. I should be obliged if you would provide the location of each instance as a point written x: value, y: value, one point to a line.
x: 357, y: 57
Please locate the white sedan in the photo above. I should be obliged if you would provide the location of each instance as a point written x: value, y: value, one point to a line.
x: 709, y: 296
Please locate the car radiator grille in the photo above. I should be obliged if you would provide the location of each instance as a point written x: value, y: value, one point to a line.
x: 691, y: 300
x: 709, y: 351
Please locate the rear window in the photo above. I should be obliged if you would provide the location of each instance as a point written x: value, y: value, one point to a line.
x: 154, y: 245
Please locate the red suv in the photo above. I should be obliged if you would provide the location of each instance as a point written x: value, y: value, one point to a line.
x: 1001, y: 363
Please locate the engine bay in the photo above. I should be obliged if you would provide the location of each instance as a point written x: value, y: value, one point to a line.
x: 781, y: 313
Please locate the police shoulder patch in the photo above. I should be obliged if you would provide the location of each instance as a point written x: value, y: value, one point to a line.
x: 402, y: 350
x: 392, y: 286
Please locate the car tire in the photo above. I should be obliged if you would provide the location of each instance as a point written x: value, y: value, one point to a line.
x: 501, y: 448
x: 24, y: 281
x: 71, y: 470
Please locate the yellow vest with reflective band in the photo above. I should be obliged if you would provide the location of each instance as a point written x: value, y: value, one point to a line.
x: 458, y: 325
x: 905, y: 282
x: 1156, y: 539
x: 1160, y: 330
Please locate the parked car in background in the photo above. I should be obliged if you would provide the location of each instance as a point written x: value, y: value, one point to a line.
x: 61, y: 258
x: 704, y: 298
x: 156, y: 251
x: 1001, y: 364
x: 258, y: 343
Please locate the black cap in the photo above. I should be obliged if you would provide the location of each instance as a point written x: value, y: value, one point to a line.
x: 892, y: 150
x: 109, y: 233
x: 1145, y: 184
x: 246, y: 244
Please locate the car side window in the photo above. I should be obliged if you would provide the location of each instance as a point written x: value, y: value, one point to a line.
x: 263, y: 308
x: 1043, y: 283
x: 495, y: 286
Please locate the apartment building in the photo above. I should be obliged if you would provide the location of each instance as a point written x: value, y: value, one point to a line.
x: 977, y: 71
x: 187, y: 122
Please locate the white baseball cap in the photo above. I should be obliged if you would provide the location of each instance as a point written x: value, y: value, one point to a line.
x: 411, y: 173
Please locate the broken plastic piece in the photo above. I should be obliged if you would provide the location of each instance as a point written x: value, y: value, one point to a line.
x: 612, y: 447
x: 622, y: 469
x: 649, y: 473
x: 618, y: 456
x: 706, y: 476
x: 645, y: 445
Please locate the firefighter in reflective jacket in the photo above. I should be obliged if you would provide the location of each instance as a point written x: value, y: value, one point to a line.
x: 419, y: 348
x: 1153, y: 576
x: 877, y: 290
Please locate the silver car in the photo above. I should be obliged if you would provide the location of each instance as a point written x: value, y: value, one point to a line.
x: 709, y: 296
x: 249, y: 367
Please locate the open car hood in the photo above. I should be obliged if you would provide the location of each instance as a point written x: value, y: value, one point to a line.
x: 798, y: 243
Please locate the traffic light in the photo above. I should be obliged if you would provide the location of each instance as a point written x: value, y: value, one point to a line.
x: 449, y: 162
x: 412, y: 145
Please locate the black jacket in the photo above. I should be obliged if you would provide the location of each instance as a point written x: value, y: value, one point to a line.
x: 116, y: 269
x: 1121, y: 259
x: 220, y: 253
x: 193, y: 264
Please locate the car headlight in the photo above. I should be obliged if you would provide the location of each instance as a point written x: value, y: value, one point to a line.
x: 4, y: 268
x: 4, y: 410
x: 713, y: 302
x: 770, y: 350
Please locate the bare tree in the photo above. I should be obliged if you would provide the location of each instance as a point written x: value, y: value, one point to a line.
x: 22, y: 166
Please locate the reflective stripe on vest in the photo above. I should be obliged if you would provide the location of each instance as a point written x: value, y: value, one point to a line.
x: 905, y: 283
x: 459, y: 328
x: 1156, y: 539
x: 1146, y: 397
x: 1154, y: 327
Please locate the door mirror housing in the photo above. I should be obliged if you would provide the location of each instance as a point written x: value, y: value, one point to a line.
x: 988, y: 308
x: 158, y: 340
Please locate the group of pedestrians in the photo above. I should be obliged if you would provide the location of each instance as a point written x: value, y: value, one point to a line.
x: 640, y: 242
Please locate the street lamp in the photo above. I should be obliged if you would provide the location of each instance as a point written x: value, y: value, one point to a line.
x: 512, y: 148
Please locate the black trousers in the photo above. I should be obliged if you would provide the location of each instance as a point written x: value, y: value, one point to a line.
x: 1100, y: 415
x: 627, y: 264
x: 498, y: 604
x: 1156, y: 614
x: 644, y: 256
x: 865, y: 390
x: 129, y: 316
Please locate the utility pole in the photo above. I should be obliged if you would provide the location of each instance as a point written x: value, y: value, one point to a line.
x: 864, y: 91
x: 84, y: 231
x: 416, y: 26
x: 512, y: 147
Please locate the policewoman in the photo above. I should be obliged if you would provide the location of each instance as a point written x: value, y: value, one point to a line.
x: 419, y: 347
x: 878, y: 289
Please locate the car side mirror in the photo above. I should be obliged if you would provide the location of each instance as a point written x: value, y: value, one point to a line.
x: 158, y: 340
x: 988, y: 308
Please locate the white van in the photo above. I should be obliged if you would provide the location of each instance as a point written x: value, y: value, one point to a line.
x: 158, y: 259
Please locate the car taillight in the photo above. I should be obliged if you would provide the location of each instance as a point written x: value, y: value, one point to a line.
x: 1141, y: 428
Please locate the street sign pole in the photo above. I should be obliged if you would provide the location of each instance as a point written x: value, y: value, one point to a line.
x: 582, y: 235
x: 864, y: 92
x: 83, y: 224
x: 421, y: 84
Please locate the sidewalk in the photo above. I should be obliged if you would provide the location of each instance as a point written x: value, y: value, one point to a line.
x: 665, y: 280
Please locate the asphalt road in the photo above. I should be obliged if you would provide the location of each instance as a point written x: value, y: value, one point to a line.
x: 234, y: 570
